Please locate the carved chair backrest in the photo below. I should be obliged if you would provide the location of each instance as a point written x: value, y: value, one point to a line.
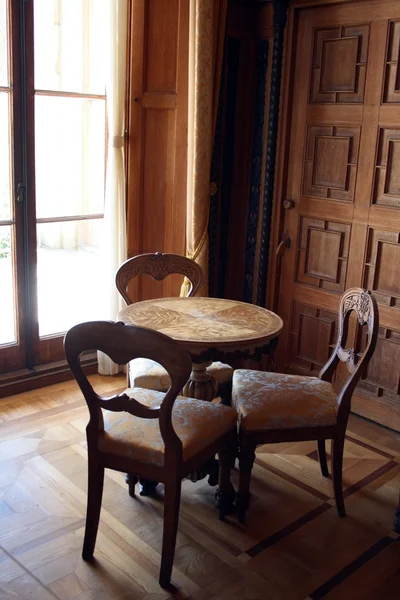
x: 366, y: 309
x: 122, y: 344
x: 158, y: 266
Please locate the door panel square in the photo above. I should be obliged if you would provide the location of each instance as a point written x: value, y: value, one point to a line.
x: 386, y: 190
x: 323, y: 251
x: 312, y: 337
x: 392, y: 183
x: 382, y: 379
x: 331, y: 160
x: 330, y: 163
x: 339, y: 65
x: 391, y: 92
x: 387, y: 272
x: 322, y: 254
x: 382, y: 266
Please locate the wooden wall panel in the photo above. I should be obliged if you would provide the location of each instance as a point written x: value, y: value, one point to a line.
x: 343, y: 183
x: 157, y: 135
x: 162, y: 46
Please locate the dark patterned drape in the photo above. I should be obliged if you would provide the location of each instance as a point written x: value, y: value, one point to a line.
x: 256, y: 168
x: 222, y: 171
x: 216, y: 169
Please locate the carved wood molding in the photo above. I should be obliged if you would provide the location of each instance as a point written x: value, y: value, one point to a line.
x: 361, y: 304
x: 215, y: 354
x: 158, y: 266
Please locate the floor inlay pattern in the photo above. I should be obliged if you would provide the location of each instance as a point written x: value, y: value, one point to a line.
x: 293, y: 546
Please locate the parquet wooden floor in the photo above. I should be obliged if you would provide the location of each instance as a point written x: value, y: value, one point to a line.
x: 293, y: 546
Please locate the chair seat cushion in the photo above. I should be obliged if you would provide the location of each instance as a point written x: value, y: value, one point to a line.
x: 145, y: 373
x: 279, y: 401
x: 221, y: 372
x: 150, y: 375
x: 197, y: 423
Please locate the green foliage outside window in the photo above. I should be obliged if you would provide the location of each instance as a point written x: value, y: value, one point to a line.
x: 5, y: 245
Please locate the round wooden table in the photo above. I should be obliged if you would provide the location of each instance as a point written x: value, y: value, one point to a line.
x: 210, y: 329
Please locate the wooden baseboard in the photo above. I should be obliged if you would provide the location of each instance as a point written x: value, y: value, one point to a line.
x: 376, y: 410
x: 43, y: 375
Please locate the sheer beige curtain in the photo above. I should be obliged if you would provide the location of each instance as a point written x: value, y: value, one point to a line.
x: 207, y: 33
x: 114, y: 212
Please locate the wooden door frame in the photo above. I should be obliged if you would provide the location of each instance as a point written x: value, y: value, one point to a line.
x: 284, y: 129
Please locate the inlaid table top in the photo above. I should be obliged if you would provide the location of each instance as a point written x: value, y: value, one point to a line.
x: 202, y: 324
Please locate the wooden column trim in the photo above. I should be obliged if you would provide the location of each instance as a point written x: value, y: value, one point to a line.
x: 256, y: 168
x: 280, y: 17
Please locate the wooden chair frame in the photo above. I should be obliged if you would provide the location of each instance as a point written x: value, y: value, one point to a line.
x: 364, y: 305
x: 122, y: 344
x: 158, y: 266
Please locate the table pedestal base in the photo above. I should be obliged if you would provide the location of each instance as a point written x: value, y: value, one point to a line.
x: 147, y: 487
x: 201, y: 385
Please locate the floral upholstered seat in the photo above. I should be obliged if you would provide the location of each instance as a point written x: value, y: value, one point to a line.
x: 150, y: 375
x: 197, y: 424
x: 276, y: 401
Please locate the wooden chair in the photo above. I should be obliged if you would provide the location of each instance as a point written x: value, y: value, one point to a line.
x: 161, y: 437
x: 147, y: 374
x: 274, y: 407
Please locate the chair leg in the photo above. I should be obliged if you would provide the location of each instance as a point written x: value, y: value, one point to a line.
x: 246, y: 461
x: 322, y: 458
x: 226, y: 492
x: 95, y: 494
x: 337, y: 468
x: 225, y: 391
x: 131, y: 480
x: 172, y: 500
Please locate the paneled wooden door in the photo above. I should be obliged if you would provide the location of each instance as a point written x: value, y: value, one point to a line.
x: 344, y: 184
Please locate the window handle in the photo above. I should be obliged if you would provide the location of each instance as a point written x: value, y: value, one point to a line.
x: 21, y: 192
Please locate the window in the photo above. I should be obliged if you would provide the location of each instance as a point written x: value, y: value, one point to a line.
x: 53, y: 140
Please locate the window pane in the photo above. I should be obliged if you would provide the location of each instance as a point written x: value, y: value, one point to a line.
x: 7, y: 312
x: 70, y: 270
x: 3, y: 44
x: 5, y: 191
x: 70, y: 45
x: 70, y: 156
